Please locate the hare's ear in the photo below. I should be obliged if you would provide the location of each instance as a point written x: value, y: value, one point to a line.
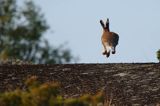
x: 107, y: 23
x: 102, y: 24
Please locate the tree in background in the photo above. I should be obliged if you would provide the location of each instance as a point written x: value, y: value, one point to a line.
x: 158, y: 55
x: 21, y: 35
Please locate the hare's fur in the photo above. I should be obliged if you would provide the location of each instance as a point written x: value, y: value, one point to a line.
x: 109, y: 39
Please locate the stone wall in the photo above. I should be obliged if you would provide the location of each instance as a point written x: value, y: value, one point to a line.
x: 125, y: 84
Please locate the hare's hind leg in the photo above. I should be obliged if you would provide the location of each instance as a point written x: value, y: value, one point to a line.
x: 105, y: 49
x: 108, y: 54
x: 108, y: 51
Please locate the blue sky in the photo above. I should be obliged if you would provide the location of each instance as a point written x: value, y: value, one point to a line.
x: 77, y: 22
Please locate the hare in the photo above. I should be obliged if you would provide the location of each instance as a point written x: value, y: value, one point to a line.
x: 109, y: 39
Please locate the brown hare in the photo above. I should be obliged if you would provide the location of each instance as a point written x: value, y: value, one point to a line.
x: 109, y: 39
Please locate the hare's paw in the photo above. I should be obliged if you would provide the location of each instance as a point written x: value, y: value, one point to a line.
x: 104, y: 53
x: 113, y: 52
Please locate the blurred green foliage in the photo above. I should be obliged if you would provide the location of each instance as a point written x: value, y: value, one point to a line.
x: 21, y: 35
x: 46, y: 94
x: 158, y: 55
